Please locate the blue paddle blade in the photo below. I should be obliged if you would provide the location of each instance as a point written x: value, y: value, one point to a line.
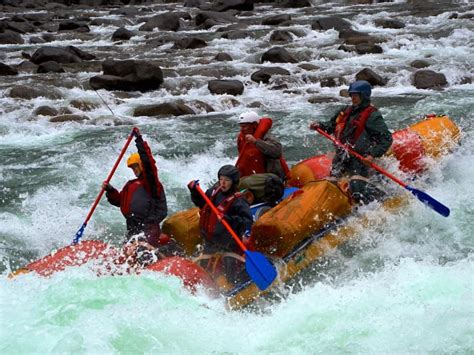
x: 429, y: 201
x: 260, y: 270
x: 79, y: 234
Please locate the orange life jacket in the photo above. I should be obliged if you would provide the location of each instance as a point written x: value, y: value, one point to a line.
x: 251, y: 160
x: 208, y: 219
x: 359, y: 122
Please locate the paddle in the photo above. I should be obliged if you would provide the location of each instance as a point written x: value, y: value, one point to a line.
x: 99, y: 196
x: 420, y: 195
x: 258, y: 267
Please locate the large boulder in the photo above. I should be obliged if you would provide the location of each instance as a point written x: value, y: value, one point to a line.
x: 230, y: 87
x: 11, y: 37
x: 49, y: 67
x: 70, y: 54
x: 128, y: 75
x: 122, y: 34
x: 264, y: 75
x: 276, y: 20
x: 278, y: 55
x: 372, y: 77
x: 164, y: 109
x: 240, y: 5
x: 168, y: 21
x: 330, y: 22
x: 7, y: 70
x: 429, y: 79
x: 28, y: 93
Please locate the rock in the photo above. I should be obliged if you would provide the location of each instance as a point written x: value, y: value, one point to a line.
x: 367, y: 48
x: 189, y: 43
x: 25, y: 92
x: 49, y: 67
x: 321, y: 99
x: 73, y: 25
x: 122, y: 34
x: 217, y: 17
x: 281, y: 36
x: 128, y: 75
x: 330, y: 22
x: 428, y: 79
x: 45, y: 111
x: 264, y: 75
x: 276, y: 20
x: 69, y: 54
x: 278, y: 55
x: 10, y: 37
x: 389, y: 23
x: 69, y: 118
x: 164, y: 109
x: 223, y: 57
x: 202, y: 106
x: 7, y: 70
x: 230, y: 87
x: 84, y: 105
x: 419, y: 64
x: 370, y: 76
x: 225, y: 5
x: 295, y: 3
x: 168, y: 21
x: 308, y: 66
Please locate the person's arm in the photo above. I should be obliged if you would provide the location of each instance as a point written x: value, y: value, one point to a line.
x: 112, y: 194
x: 240, y: 217
x: 269, y: 146
x: 330, y: 125
x: 149, y: 166
x: 380, y: 137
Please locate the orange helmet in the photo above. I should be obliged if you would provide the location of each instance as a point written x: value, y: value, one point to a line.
x: 134, y: 159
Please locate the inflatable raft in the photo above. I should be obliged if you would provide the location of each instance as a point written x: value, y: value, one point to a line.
x: 312, y: 220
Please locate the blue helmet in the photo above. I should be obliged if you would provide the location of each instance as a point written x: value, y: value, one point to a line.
x: 361, y: 87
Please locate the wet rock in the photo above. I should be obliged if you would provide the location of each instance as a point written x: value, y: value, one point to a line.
x: 128, y: 75
x: 368, y: 48
x: 122, y: 34
x: 7, y: 70
x: 240, y: 5
x: 330, y: 22
x: 49, y: 67
x: 45, y: 111
x: 217, y: 17
x: 237, y: 34
x: 10, y: 37
x: 281, y: 36
x: 276, y: 20
x: 69, y: 118
x: 110, y: 22
x: 332, y: 81
x: 69, y: 54
x: 264, y: 75
x: 223, y: 57
x: 230, y: 87
x: 202, y: 106
x: 465, y: 80
x: 165, y: 22
x: 428, y: 79
x: 84, y: 105
x: 372, y: 77
x: 36, y: 40
x: 193, y: 3
x: 73, y: 26
x: 189, y: 43
x: 164, y: 109
x: 295, y: 3
x: 308, y: 66
x: 322, y: 99
x: 278, y: 55
x: 389, y: 23
x: 419, y: 64
x: 25, y: 92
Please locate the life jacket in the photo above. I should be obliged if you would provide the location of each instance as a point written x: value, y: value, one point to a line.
x: 251, y: 160
x: 208, y: 219
x: 133, y: 197
x: 359, y: 122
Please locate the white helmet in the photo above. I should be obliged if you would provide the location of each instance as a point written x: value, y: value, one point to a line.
x: 249, y: 117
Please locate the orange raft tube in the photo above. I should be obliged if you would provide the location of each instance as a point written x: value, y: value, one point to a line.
x: 433, y: 136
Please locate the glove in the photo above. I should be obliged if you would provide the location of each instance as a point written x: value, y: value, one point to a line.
x: 106, y: 186
x: 192, y: 184
x: 314, y: 125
